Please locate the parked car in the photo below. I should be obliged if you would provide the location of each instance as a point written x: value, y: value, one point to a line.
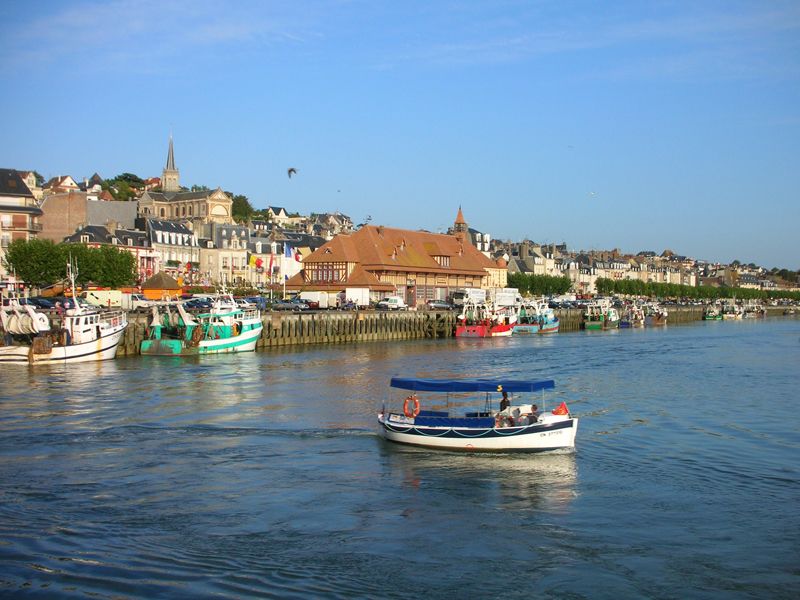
x: 294, y: 304
x: 258, y: 301
x: 44, y: 303
x: 392, y: 303
x: 438, y: 305
x: 69, y: 302
x: 198, y: 304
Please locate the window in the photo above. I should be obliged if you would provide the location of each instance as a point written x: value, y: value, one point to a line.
x: 129, y: 241
x: 224, y: 262
x: 84, y: 239
x: 162, y: 212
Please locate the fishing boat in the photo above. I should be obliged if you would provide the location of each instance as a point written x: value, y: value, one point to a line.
x: 712, y: 312
x: 731, y: 311
x: 593, y: 317
x: 753, y: 310
x: 83, y: 334
x: 548, y: 321
x: 600, y: 315
x: 632, y: 316
x: 480, y: 320
x: 226, y: 328
x: 519, y: 426
x: 655, y: 314
x: 527, y: 319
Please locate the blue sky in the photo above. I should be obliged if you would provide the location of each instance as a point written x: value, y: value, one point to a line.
x: 636, y: 125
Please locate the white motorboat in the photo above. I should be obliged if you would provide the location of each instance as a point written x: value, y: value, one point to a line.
x: 517, y: 427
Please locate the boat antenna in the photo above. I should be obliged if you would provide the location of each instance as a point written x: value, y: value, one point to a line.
x: 72, y: 275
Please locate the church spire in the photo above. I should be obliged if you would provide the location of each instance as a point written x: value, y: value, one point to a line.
x: 170, y: 178
x: 170, y: 157
x: 460, y: 226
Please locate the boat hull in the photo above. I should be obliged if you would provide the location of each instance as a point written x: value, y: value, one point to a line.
x: 526, y: 328
x: 655, y: 321
x: 484, y: 331
x: 103, y: 348
x: 539, y: 437
x: 244, y: 342
x: 549, y: 327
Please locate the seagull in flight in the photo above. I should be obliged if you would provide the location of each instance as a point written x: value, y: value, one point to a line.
x: 291, y: 171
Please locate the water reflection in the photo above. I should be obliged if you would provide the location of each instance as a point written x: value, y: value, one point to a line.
x: 517, y: 482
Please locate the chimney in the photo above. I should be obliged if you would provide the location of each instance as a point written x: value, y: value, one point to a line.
x: 523, y: 251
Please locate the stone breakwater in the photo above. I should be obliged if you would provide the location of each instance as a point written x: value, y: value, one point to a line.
x: 334, y: 327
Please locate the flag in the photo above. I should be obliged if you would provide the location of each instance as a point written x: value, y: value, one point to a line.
x: 252, y: 260
x: 271, y: 256
x: 297, y: 256
x: 287, y: 251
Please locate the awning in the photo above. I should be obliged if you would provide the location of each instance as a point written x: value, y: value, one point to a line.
x: 471, y: 385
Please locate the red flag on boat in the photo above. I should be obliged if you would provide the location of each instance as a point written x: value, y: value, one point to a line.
x: 561, y: 409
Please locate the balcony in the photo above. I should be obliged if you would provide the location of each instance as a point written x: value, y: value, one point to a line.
x: 20, y: 227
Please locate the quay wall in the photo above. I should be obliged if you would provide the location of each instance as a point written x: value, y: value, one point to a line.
x: 325, y: 327
x: 334, y: 327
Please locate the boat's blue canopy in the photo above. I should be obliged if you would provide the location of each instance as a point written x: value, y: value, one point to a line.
x: 471, y: 385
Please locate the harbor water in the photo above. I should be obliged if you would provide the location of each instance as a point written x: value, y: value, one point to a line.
x: 263, y: 475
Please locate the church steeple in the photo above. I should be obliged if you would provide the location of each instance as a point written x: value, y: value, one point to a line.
x: 170, y: 178
x: 460, y: 226
x: 170, y: 157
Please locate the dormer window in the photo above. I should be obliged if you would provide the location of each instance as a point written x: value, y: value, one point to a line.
x: 84, y: 239
x: 209, y: 244
x: 443, y: 261
x: 129, y: 241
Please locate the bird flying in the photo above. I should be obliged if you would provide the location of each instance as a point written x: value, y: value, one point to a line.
x: 291, y: 171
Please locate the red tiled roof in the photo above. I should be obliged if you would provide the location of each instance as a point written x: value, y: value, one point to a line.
x: 388, y: 249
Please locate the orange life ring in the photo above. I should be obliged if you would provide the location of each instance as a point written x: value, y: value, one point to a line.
x: 407, y: 411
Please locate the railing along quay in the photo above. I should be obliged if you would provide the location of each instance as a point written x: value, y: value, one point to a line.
x: 336, y: 327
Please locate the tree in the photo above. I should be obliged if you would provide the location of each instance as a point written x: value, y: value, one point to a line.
x: 37, y: 262
x: 41, y: 263
x: 131, y: 179
x: 241, y: 209
x: 200, y: 188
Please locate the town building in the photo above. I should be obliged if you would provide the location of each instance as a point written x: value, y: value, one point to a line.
x: 132, y: 241
x: 65, y: 213
x: 19, y: 214
x: 177, y: 247
x: 417, y: 265
x: 198, y: 209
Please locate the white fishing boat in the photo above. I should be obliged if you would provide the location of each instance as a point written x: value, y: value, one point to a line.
x: 83, y: 335
x: 515, y: 426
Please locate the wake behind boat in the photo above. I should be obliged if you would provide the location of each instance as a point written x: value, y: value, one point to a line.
x: 515, y: 426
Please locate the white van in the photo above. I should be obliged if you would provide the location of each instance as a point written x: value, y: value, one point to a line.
x: 392, y: 303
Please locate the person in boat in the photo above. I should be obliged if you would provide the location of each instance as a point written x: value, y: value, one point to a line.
x: 533, y: 416
x: 505, y: 402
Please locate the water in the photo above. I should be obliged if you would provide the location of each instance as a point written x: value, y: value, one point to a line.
x: 262, y: 475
